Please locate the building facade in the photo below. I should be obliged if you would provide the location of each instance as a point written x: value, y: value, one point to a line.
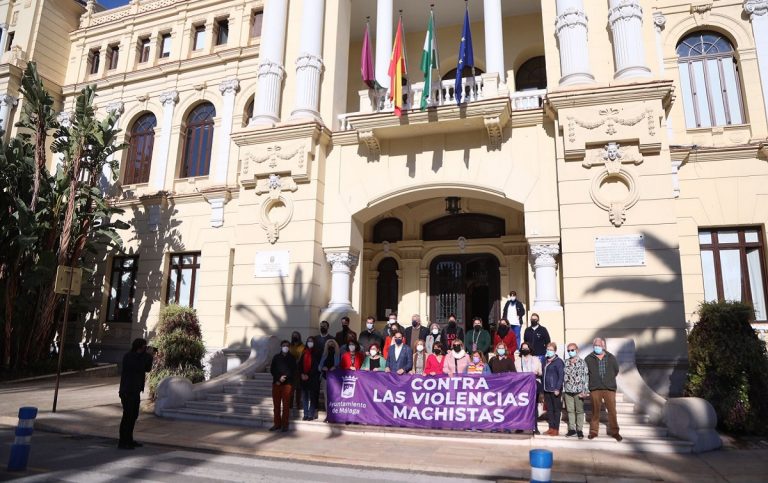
x: 608, y: 162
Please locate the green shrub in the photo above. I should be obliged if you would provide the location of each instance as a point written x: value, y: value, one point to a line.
x: 180, y: 348
x: 728, y: 366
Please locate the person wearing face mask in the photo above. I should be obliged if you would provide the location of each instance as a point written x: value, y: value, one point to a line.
x: 514, y: 311
x: 552, y: 382
x: 433, y: 337
x: 283, y: 369
x: 477, y: 365
x: 419, y: 359
x: 309, y: 375
x: 391, y: 322
x: 537, y: 338
x: 389, y: 341
x: 369, y: 336
x: 352, y: 359
x: 478, y: 339
x: 457, y: 359
x: 504, y: 360
x: 400, y: 356
x: 415, y: 332
x: 341, y: 336
x: 529, y: 363
x: 329, y: 361
x: 575, y: 389
x: 435, y: 360
x: 603, y: 369
x: 451, y: 332
x: 504, y: 335
x: 297, y: 348
x: 324, y: 336
x: 373, y: 361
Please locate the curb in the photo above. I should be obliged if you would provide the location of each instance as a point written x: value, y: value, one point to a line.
x: 90, y: 372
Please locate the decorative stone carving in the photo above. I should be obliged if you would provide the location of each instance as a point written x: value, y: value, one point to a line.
x: 7, y: 100
x: 544, y: 262
x: 701, y: 7
x: 371, y: 142
x: 625, y: 11
x: 169, y: 97
x: 493, y: 127
x: 756, y: 8
x: 230, y: 86
x: 117, y: 108
x: 275, y: 214
x: 616, y: 208
x: 342, y: 259
x: 309, y: 61
x: 343, y: 263
x: 609, y: 122
x: 268, y: 68
x: 570, y: 18
x: 217, y: 211
x: 544, y: 255
x: 659, y: 21
x: 612, y: 156
x: 461, y: 242
x: 274, y: 185
x: 274, y: 156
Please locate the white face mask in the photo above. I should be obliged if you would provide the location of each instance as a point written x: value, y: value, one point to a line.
x: 392, y: 321
x: 435, y: 331
x: 420, y: 348
x: 373, y: 352
x: 369, y: 325
x: 513, y: 298
x: 310, y: 344
x: 285, y: 349
x: 352, y: 347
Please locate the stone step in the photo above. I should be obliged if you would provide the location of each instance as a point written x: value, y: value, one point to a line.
x: 632, y: 442
x: 240, y: 398
x: 638, y: 430
x: 235, y: 408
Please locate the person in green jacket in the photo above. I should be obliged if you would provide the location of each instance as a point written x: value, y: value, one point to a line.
x: 478, y: 339
x: 374, y: 362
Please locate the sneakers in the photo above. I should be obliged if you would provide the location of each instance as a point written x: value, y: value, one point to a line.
x: 571, y: 433
x: 580, y: 434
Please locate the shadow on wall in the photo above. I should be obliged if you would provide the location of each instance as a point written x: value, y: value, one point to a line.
x: 664, y: 365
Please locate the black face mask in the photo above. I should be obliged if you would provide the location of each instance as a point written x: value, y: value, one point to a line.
x: 451, y: 323
x: 503, y: 329
x: 525, y: 352
x: 437, y: 352
x: 415, y: 323
x: 535, y: 322
x: 344, y: 328
x: 457, y: 349
x: 323, y: 331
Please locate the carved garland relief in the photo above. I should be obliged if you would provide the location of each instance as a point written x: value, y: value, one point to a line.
x: 611, y: 123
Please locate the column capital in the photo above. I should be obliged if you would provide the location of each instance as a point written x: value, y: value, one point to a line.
x: 229, y: 86
x: 625, y: 10
x: 117, y: 108
x: 270, y: 68
x: 756, y: 8
x: 7, y: 100
x: 306, y: 60
x: 571, y: 18
x: 169, y: 97
x: 659, y: 21
x: 544, y: 254
x: 346, y: 260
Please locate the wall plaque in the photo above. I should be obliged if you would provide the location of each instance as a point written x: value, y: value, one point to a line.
x: 271, y: 264
x: 620, y: 251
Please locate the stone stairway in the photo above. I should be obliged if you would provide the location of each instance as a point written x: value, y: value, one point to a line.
x: 249, y: 403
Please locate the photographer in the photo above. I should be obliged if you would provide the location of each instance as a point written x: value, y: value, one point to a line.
x: 136, y: 364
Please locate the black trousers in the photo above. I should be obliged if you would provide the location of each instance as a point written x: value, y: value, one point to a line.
x: 554, y: 409
x: 130, y: 403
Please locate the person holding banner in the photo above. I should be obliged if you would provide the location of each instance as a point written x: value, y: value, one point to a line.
x: 530, y: 363
x: 352, y: 359
x: 477, y: 365
x: 400, y: 357
x: 435, y: 360
x: 309, y: 375
x: 432, y: 338
x: 552, y: 385
x: 283, y: 369
x: 504, y: 361
x: 419, y: 359
x: 457, y: 361
x: 373, y: 361
x: 451, y: 332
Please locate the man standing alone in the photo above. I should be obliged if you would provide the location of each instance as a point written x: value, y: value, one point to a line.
x: 283, y: 369
x: 603, y: 369
x: 136, y: 364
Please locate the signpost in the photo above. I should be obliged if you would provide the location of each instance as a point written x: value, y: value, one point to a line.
x: 68, y: 281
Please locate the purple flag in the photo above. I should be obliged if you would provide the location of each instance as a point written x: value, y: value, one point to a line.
x: 366, y: 61
x: 469, y: 401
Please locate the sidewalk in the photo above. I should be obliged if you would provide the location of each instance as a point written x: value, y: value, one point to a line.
x: 91, y: 407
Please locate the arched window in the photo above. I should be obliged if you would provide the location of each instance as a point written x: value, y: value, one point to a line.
x: 465, y: 72
x: 198, y: 140
x: 709, y: 78
x: 531, y: 75
x: 248, y: 112
x: 141, y: 140
x: 388, y: 229
x: 386, y: 288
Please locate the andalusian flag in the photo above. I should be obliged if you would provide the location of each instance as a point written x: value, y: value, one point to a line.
x: 397, y: 71
x: 429, y: 61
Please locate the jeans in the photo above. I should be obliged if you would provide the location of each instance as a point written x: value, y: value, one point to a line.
x: 598, y: 397
x: 130, y: 401
x: 310, y: 398
x: 553, y: 409
x: 575, y: 407
x: 281, y: 399
x: 516, y: 330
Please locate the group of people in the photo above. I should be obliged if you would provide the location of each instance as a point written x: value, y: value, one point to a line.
x: 300, y: 370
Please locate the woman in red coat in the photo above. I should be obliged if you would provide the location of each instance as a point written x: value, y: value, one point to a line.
x: 505, y: 336
x: 435, y: 361
x: 352, y: 359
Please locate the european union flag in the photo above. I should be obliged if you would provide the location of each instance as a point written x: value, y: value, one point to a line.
x: 466, y: 58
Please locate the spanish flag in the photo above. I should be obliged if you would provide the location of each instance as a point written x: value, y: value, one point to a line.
x: 397, y: 70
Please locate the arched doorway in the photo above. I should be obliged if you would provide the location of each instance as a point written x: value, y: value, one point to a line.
x: 465, y: 285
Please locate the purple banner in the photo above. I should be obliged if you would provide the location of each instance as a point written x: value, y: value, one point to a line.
x: 484, y: 402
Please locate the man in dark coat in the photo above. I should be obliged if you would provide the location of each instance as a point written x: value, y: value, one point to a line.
x: 283, y: 369
x: 603, y: 369
x: 342, y: 336
x: 369, y: 336
x: 537, y: 337
x: 136, y: 364
x: 415, y: 332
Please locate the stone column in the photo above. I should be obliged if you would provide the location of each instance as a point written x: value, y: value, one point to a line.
x: 7, y: 102
x: 3, y: 37
x: 758, y: 15
x: 342, y: 269
x: 228, y: 90
x: 545, y: 271
x: 271, y: 72
x: 571, y: 31
x: 309, y: 63
x: 384, y: 39
x: 494, y: 38
x: 626, y: 20
x: 160, y: 160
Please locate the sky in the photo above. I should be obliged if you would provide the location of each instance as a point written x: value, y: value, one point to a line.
x: 113, y: 3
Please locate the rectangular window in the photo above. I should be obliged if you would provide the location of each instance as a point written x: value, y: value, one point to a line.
x: 711, y: 92
x: 114, y: 56
x: 257, y: 16
x: 198, y: 41
x: 222, y: 31
x: 733, y: 266
x: 183, y: 279
x: 122, y: 288
x: 143, y: 49
x: 165, y: 45
x: 94, y: 59
x: 10, y: 41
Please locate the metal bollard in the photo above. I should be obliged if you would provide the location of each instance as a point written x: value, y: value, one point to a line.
x: 19, y: 457
x: 541, y: 465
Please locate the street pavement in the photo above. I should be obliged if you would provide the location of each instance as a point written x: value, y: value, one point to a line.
x: 90, y: 407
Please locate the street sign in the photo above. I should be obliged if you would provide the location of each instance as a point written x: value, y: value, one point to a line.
x: 68, y: 280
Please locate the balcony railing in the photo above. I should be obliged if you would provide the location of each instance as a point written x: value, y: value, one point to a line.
x: 524, y: 100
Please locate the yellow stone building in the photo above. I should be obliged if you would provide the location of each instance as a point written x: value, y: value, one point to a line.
x: 607, y: 162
